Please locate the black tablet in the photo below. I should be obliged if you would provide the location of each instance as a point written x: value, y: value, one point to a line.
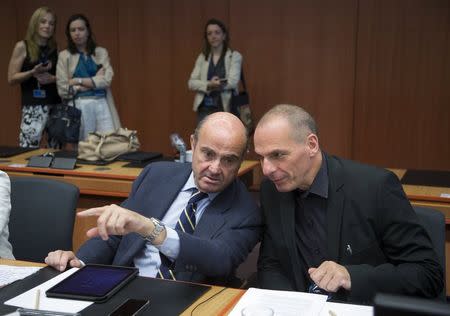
x: 93, y: 282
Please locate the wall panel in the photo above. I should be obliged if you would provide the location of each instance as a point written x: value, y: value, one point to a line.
x: 402, y: 99
x: 375, y: 74
x: 9, y: 107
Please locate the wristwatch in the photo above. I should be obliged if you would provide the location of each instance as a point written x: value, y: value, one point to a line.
x: 159, y: 227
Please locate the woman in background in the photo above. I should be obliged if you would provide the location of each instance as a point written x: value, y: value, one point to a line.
x: 85, y: 74
x: 33, y: 64
x: 216, y: 72
x: 5, y: 209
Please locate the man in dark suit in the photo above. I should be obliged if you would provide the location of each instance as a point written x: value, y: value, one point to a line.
x: 145, y: 230
x: 335, y: 226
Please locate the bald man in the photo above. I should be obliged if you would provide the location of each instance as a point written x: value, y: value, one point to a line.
x: 335, y: 226
x: 143, y: 231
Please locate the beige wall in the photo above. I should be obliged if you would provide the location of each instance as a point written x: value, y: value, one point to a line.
x: 374, y: 73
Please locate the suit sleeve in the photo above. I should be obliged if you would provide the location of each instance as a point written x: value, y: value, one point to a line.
x: 96, y: 250
x: 411, y: 267
x: 234, y: 74
x: 196, y: 83
x: 104, y: 81
x: 5, y: 201
x: 63, y: 75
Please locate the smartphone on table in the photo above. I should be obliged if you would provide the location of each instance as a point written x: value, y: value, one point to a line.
x: 130, y: 307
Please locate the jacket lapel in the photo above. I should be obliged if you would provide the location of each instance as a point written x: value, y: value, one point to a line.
x: 73, y: 62
x: 335, y: 208
x: 287, y: 207
x: 212, y: 219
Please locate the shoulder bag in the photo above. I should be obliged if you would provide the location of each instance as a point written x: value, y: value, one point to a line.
x: 108, y: 146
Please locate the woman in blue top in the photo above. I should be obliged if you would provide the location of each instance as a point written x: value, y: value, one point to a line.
x: 85, y: 74
x: 216, y: 72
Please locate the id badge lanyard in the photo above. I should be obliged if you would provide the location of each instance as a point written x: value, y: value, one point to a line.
x: 39, y: 93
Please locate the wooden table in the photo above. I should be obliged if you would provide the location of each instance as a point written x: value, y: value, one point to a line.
x: 112, y: 180
x: 220, y: 304
x: 99, y: 185
x: 431, y: 197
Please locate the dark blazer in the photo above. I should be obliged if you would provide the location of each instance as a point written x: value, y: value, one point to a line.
x: 371, y: 229
x: 227, y: 231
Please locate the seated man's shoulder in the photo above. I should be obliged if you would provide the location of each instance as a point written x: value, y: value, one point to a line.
x: 164, y: 169
x: 357, y: 170
x: 165, y: 166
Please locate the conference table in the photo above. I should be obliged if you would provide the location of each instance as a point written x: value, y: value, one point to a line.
x: 99, y: 184
x: 217, y: 300
x: 212, y: 300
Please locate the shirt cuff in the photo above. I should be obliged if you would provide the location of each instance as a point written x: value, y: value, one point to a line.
x: 171, y: 245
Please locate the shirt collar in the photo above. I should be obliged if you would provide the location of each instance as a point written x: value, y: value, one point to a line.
x: 320, y: 184
x: 190, y: 185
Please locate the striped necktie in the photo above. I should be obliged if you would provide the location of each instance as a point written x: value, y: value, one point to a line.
x: 186, y: 223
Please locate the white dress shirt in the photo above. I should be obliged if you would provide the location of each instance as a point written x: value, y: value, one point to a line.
x: 149, y: 260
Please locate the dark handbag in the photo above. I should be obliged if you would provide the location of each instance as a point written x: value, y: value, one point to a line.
x: 240, y: 106
x: 63, y: 124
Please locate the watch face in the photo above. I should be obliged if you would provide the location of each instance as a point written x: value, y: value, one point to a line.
x: 156, y: 222
x: 159, y: 227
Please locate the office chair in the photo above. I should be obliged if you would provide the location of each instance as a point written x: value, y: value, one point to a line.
x: 42, y: 217
x: 434, y: 223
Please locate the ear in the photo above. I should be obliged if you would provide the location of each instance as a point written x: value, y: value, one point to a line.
x: 312, y: 142
x: 192, y: 142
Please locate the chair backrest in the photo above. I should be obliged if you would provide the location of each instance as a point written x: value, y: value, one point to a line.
x: 42, y: 217
x: 434, y: 223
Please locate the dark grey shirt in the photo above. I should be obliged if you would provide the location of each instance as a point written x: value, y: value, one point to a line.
x: 310, y: 220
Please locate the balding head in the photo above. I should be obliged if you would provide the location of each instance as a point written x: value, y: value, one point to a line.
x: 225, y: 123
x: 218, y: 147
x: 301, y: 122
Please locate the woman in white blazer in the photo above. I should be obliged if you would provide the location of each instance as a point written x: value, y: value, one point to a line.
x: 85, y: 73
x: 5, y: 209
x: 216, y: 73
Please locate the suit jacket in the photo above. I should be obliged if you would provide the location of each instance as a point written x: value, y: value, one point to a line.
x: 227, y: 231
x: 66, y: 66
x: 371, y: 229
x: 199, y: 78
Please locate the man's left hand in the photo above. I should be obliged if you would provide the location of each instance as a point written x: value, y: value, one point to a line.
x: 330, y: 276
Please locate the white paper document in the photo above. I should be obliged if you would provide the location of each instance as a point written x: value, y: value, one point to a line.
x: 284, y: 303
x: 28, y: 299
x: 9, y: 274
x: 340, y: 309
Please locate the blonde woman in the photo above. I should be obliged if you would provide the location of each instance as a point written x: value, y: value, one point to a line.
x: 85, y: 74
x: 33, y: 66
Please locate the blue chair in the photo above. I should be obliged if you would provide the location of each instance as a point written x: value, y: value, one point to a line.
x: 42, y: 217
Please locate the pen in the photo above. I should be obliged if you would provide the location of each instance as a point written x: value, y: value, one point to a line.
x: 37, y: 299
